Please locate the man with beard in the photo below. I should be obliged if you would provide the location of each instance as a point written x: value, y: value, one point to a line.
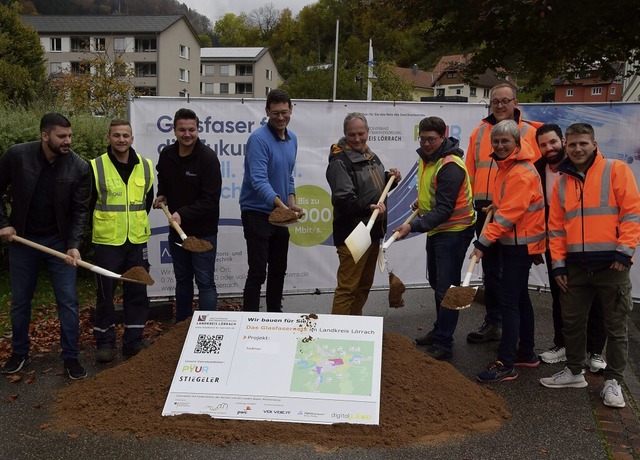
x: 551, y: 145
x: 50, y: 189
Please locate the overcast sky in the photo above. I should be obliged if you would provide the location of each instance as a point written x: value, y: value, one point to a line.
x: 214, y: 10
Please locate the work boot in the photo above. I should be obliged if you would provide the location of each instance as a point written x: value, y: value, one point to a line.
x: 105, y: 355
x: 427, y: 339
x: 487, y: 333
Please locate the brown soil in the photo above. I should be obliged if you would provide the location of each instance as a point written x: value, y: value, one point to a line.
x: 193, y: 244
x: 396, y: 289
x: 139, y: 274
x: 422, y: 401
x: 283, y: 216
x: 459, y: 297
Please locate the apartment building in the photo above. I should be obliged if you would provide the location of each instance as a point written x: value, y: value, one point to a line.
x: 163, y: 51
x: 237, y: 72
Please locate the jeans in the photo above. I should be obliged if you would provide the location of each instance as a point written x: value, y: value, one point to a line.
x: 24, y: 265
x: 490, y: 277
x: 186, y: 266
x: 517, y: 311
x: 445, y: 256
x: 135, y: 303
x: 267, y: 245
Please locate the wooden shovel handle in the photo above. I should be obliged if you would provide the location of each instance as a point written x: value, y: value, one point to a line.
x: 474, y: 260
x: 382, y: 197
x: 173, y: 223
x: 53, y: 252
x: 397, y: 234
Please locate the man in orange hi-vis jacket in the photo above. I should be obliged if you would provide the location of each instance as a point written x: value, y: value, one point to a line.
x: 518, y: 234
x: 482, y: 171
x: 594, y: 228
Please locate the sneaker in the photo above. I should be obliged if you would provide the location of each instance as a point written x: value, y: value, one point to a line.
x: 438, y: 353
x: 596, y: 363
x: 497, y: 372
x: 15, y: 363
x: 564, y: 379
x: 426, y: 339
x: 74, y: 369
x: 533, y: 361
x: 105, y: 355
x: 612, y: 394
x: 486, y: 333
x: 554, y: 355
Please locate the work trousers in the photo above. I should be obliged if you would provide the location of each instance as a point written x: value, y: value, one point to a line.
x: 354, y: 280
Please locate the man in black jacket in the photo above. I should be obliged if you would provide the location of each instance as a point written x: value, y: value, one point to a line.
x: 189, y: 183
x: 50, y: 189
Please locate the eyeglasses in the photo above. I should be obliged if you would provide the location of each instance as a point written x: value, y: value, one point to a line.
x: 505, y: 101
x: 430, y: 140
x: 283, y: 113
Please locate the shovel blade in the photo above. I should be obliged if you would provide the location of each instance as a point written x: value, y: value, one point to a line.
x: 358, y: 241
x: 459, y: 297
x: 382, y: 260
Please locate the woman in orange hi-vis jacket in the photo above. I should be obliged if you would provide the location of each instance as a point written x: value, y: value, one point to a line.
x: 594, y: 228
x: 518, y: 228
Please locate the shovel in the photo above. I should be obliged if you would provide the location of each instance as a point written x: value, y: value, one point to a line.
x: 359, y: 239
x: 190, y: 243
x: 94, y: 268
x: 460, y: 297
x: 382, y: 255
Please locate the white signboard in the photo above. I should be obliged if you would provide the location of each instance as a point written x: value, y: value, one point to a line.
x: 286, y: 367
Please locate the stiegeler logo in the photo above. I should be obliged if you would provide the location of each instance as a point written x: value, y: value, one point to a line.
x: 165, y: 256
x: 202, y: 318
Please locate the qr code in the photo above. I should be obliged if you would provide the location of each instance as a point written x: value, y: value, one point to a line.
x: 208, y: 344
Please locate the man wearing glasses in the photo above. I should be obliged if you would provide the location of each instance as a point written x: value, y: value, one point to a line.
x: 482, y: 170
x: 267, y: 184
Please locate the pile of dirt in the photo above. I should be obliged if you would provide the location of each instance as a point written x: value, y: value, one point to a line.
x: 422, y: 401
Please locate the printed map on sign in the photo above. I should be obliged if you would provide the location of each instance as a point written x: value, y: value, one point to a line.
x: 333, y: 366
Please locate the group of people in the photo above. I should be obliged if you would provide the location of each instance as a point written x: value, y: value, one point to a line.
x: 523, y: 190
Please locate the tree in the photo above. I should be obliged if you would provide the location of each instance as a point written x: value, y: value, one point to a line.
x: 265, y: 19
x: 99, y: 84
x: 537, y: 37
x: 21, y: 58
x: 232, y: 30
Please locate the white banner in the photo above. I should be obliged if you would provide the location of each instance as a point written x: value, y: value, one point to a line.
x: 227, y: 123
x: 282, y: 367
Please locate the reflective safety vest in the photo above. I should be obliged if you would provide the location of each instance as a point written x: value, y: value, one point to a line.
x: 120, y: 212
x: 463, y: 214
x: 482, y: 168
x: 599, y: 214
x: 519, y: 201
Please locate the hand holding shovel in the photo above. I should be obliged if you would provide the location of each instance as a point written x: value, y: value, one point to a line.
x: 190, y: 243
x: 359, y: 239
x: 382, y: 255
x: 133, y: 275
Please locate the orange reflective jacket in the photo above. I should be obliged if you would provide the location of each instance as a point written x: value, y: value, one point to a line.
x: 482, y: 168
x: 519, y: 202
x: 596, y: 217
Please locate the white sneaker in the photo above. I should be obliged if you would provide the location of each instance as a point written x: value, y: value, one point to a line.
x: 554, y: 355
x: 612, y: 394
x: 564, y: 379
x: 596, y: 362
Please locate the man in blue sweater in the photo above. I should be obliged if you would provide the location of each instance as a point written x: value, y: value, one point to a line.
x: 268, y: 183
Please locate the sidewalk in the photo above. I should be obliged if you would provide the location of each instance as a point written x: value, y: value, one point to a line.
x: 546, y: 423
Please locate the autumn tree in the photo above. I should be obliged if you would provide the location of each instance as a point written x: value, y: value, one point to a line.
x: 21, y: 58
x: 100, y: 84
x: 236, y: 30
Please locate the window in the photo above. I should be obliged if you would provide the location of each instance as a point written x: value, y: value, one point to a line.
x: 486, y: 92
x: 244, y: 88
x: 56, y: 44
x: 451, y: 74
x: 55, y: 67
x: 80, y: 68
x: 224, y: 70
x: 120, y: 69
x: 224, y: 88
x: 184, y: 52
x: 244, y: 70
x: 570, y: 93
x: 145, y: 90
x: 145, y: 45
x: 184, y: 75
x: 99, y: 44
x: 80, y: 44
x: 207, y: 88
x: 472, y: 91
x: 458, y: 91
x: 120, y: 44
x: 596, y: 90
x: 440, y: 92
x: 613, y: 90
x: 207, y: 70
x: 269, y: 74
x: 145, y: 69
